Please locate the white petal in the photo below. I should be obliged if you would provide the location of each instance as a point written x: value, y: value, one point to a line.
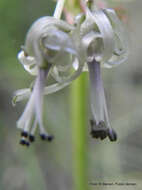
x: 28, y: 62
x: 20, y: 95
x: 39, y: 31
x: 105, y: 30
x: 58, y: 40
x: 121, y: 50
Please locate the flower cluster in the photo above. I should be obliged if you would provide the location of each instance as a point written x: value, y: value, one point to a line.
x: 54, y: 47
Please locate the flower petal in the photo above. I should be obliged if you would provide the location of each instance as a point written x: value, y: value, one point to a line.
x: 28, y: 62
x: 100, y: 19
x: 20, y: 95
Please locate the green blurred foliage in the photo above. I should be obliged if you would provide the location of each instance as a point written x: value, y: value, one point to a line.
x: 48, y: 166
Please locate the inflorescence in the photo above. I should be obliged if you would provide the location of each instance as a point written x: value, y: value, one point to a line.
x: 61, y: 50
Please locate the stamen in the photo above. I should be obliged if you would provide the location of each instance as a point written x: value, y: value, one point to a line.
x: 100, y: 125
x: 31, y: 138
x: 27, y: 125
x: 49, y: 138
x: 112, y: 135
x: 27, y: 143
x: 39, y: 88
x: 23, y: 141
x: 95, y: 91
x: 34, y: 109
x: 33, y: 129
x: 24, y: 134
x: 103, y: 135
x: 98, y: 131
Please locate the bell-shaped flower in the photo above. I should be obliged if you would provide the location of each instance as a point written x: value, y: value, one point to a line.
x: 49, y: 49
x: 55, y: 48
x: 103, y: 37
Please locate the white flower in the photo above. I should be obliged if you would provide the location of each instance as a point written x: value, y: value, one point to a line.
x: 103, y: 37
x: 53, y: 47
x: 49, y: 49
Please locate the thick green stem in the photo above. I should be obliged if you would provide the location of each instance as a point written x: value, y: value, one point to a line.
x: 79, y: 123
x: 79, y: 132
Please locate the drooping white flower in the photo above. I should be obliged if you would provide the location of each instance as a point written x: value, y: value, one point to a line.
x: 61, y: 46
x: 49, y: 49
x: 105, y: 43
x: 53, y: 47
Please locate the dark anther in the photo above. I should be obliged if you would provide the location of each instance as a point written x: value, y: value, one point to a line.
x: 46, y: 137
x: 22, y: 142
x: 103, y: 135
x: 43, y: 136
x: 98, y: 130
x: 50, y: 138
x: 31, y: 138
x: 99, y: 133
x: 27, y: 143
x: 94, y: 133
x: 112, y: 135
x: 24, y: 134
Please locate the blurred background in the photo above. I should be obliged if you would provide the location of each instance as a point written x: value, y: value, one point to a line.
x: 48, y: 165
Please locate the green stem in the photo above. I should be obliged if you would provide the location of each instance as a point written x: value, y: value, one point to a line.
x: 79, y: 123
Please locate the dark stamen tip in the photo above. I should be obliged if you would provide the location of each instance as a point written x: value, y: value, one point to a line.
x: 102, y: 138
x: 112, y: 135
x: 31, y: 138
x: 99, y: 132
x: 103, y: 135
x: 49, y: 138
x: 24, y: 134
x: 22, y: 142
x: 27, y: 144
x: 43, y: 136
x: 94, y: 134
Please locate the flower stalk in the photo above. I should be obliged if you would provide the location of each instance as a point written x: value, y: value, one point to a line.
x: 79, y: 121
x: 79, y: 131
